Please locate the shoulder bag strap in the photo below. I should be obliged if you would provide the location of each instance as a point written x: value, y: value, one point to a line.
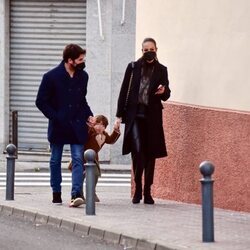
x: 129, y: 85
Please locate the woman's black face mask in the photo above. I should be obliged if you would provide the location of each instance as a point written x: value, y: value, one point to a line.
x: 149, y: 55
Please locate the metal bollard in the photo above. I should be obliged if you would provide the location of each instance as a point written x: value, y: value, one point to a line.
x: 90, y: 156
x: 207, y: 169
x: 15, y: 130
x: 10, y: 176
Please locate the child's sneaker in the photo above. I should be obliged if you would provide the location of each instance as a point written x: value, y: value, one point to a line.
x: 96, y: 198
x: 70, y: 166
x: 76, y: 202
x: 57, y: 200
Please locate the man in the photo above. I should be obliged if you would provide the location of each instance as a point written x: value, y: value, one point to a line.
x: 62, y: 99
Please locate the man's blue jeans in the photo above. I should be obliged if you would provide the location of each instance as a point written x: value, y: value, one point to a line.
x: 77, y: 168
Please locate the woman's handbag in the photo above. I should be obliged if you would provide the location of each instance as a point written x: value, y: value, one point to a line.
x: 127, y: 96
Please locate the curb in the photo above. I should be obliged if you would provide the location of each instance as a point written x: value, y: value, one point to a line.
x: 81, y: 229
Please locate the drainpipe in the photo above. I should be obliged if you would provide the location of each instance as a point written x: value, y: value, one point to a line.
x: 123, y: 12
x: 100, y: 19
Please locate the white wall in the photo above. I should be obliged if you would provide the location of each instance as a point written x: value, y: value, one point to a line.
x: 106, y: 62
x: 4, y: 75
x: 205, y: 45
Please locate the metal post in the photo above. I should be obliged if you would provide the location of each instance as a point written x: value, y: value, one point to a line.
x: 207, y: 169
x: 15, y: 130
x: 10, y: 176
x: 90, y: 156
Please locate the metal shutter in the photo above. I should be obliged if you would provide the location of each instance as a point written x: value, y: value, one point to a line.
x: 39, y: 31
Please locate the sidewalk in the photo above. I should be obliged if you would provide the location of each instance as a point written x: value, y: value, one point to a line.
x: 165, y: 225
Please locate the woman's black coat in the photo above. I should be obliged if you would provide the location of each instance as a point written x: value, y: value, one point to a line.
x: 156, y: 142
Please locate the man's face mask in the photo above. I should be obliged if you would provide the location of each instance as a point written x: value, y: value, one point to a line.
x: 149, y: 55
x: 79, y: 66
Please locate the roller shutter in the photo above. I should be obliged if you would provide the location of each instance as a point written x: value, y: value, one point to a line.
x: 39, y: 30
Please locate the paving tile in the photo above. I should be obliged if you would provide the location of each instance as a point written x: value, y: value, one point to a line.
x: 29, y: 216
x: 145, y: 245
x: 54, y: 221
x: 69, y: 225
x: 112, y: 237
x: 41, y: 218
x: 81, y: 230
x: 18, y: 212
x: 96, y: 232
x: 128, y: 242
x: 7, y: 210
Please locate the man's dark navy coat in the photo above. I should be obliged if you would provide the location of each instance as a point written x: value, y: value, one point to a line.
x: 62, y: 100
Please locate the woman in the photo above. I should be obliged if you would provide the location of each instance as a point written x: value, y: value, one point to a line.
x: 144, y: 86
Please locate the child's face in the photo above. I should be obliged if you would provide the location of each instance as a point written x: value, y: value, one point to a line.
x: 99, y: 128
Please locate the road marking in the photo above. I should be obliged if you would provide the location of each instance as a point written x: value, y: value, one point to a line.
x: 23, y: 179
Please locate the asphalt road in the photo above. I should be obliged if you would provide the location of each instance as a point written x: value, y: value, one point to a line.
x: 16, y: 234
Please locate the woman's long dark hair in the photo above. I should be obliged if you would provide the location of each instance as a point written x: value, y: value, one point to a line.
x: 149, y: 39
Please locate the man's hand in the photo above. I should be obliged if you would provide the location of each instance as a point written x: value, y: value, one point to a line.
x: 160, y: 90
x: 91, y: 121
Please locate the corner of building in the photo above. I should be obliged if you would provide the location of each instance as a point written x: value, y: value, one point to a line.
x: 4, y: 74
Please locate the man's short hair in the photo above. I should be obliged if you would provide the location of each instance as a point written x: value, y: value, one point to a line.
x: 72, y: 51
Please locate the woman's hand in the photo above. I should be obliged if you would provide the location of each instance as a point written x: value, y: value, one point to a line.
x: 117, y: 123
x: 160, y: 90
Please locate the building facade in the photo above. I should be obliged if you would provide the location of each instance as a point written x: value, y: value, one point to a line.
x: 205, y: 45
x: 33, y: 36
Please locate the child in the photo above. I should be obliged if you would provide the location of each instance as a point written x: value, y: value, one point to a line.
x: 97, y: 137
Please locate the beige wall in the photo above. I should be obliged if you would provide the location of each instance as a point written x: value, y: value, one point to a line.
x: 206, y: 46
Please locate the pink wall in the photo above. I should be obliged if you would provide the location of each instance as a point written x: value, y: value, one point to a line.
x: 194, y: 134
